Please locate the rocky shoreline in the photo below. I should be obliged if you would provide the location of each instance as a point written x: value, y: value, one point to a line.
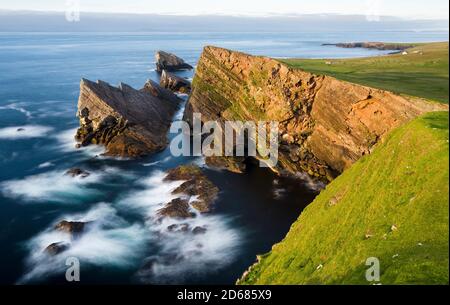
x: 381, y: 46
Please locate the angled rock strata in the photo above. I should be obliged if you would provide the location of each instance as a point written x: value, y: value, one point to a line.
x: 170, y: 62
x: 128, y: 122
x: 175, y: 83
x: 325, y: 124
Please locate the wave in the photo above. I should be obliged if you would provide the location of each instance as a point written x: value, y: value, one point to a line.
x: 17, y: 107
x: 67, y: 143
x: 180, y: 252
x: 53, y: 186
x: 108, y: 240
x: 24, y: 132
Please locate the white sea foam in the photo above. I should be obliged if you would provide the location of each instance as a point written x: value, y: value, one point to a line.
x: 108, y: 240
x: 24, y: 132
x: 184, y: 254
x: 181, y: 253
x: 67, y: 142
x: 53, y: 186
x: 310, y: 183
x: 155, y: 194
x: 45, y: 165
x: 17, y: 107
x: 166, y: 159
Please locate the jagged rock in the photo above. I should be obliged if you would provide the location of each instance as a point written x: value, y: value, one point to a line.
x: 199, y: 230
x: 56, y: 248
x: 197, y: 186
x: 157, y: 91
x: 170, y: 62
x: 77, y: 172
x: 232, y: 164
x: 179, y: 228
x: 334, y: 123
x: 128, y: 122
x: 74, y: 228
x: 177, y: 208
x: 175, y: 83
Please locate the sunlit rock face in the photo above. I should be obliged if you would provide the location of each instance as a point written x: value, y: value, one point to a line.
x: 128, y: 122
x: 325, y: 124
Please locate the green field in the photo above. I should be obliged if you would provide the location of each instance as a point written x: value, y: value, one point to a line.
x: 423, y: 72
x: 392, y: 205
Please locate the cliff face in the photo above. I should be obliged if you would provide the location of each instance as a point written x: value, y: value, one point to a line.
x: 325, y: 124
x: 128, y: 122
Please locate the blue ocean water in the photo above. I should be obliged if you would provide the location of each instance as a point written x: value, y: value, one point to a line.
x: 39, y: 86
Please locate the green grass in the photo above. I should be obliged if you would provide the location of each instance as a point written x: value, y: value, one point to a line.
x: 418, y: 75
x: 403, y: 184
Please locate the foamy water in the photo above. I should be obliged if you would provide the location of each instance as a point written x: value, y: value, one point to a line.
x: 24, y: 132
x: 108, y: 240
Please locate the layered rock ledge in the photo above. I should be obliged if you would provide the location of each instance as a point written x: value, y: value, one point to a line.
x: 325, y: 124
x: 197, y: 192
x: 128, y: 122
x: 170, y: 62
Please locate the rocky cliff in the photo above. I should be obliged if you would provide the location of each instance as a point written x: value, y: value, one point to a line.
x: 128, y: 122
x: 325, y: 124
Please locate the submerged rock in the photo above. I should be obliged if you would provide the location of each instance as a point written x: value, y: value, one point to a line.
x: 175, y: 83
x: 179, y: 228
x: 199, y: 230
x: 201, y: 191
x: 170, y: 62
x: 77, y: 172
x: 128, y: 122
x: 56, y: 248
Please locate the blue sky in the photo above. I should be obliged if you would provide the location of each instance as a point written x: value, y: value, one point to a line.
x: 429, y: 9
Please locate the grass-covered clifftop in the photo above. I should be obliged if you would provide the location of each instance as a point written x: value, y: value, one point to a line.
x: 392, y: 204
x: 423, y: 72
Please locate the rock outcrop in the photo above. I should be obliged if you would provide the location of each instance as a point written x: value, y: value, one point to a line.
x: 77, y: 172
x: 162, y: 93
x: 325, y: 124
x: 128, y: 122
x: 170, y: 62
x: 196, y: 192
x: 200, y: 190
x: 56, y: 248
x: 175, y: 83
x: 74, y: 228
x: 372, y: 45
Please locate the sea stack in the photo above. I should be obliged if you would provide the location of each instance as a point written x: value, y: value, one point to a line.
x: 170, y: 62
x: 175, y: 83
x: 128, y: 122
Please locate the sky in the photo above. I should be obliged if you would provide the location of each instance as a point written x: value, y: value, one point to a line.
x: 410, y: 9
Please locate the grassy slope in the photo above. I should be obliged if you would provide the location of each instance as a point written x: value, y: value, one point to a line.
x: 414, y: 74
x: 403, y: 183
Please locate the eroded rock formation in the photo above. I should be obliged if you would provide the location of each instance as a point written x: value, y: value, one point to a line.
x: 170, y: 62
x: 175, y: 83
x: 196, y: 192
x: 128, y: 122
x: 325, y: 124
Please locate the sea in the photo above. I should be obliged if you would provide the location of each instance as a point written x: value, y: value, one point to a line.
x: 39, y: 87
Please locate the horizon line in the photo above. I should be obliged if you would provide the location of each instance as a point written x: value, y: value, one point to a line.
x: 236, y: 15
